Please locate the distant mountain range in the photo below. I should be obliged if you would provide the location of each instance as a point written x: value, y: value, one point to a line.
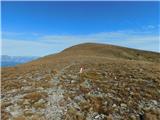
x: 7, y: 61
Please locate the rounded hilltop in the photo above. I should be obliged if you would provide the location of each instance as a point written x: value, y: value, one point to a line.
x: 117, y: 83
x: 102, y: 51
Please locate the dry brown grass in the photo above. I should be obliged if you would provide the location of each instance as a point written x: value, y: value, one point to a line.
x: 73, y: 114
x: 37, y: 117
x: 39, y: 105
x: 20, y: 118
x: 93, y: 75
x: 10, y: 85
x: 5, y: 115
x: 35, y: 96
x: 150, y: 116
x: 44, y: 84
x: 5, y: 104
x: 128, y: 74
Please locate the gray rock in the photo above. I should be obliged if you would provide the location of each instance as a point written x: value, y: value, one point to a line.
x: 114, y: 105
x: 133, y: 117
x: 86, y: 84
x: 123, y: 105
x: 154, y: 102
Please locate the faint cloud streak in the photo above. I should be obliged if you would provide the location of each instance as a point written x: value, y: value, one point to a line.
x: 49, y: 44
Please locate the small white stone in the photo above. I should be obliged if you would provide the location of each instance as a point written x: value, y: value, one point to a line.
x: 114, y: 105
x: 123, y: 105
x: 97, y: 116
x: 155, y: 102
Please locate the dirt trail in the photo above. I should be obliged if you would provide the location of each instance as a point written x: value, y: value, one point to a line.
x: 54, y: 111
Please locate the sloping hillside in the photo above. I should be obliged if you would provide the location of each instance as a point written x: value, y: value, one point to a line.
x: 108, y: 51
x: 102, y: 50
x: 117, y: 83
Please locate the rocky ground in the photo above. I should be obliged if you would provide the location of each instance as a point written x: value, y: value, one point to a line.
x: 102, y: 92
x: 107, y: 89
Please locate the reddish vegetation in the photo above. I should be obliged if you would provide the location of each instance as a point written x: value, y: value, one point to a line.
x: 116, y: 83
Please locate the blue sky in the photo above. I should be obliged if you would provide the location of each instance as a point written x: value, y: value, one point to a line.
x: 42, y: 28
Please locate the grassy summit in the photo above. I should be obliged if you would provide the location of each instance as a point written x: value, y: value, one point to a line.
x: 117, y: 83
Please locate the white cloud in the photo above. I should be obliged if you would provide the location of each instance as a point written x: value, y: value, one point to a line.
x: 6, y: 33
x: 150, y: 27
x: 131, y: 39
x: 28, y: 48
x: 12, y: 33
x: 49, y: 44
